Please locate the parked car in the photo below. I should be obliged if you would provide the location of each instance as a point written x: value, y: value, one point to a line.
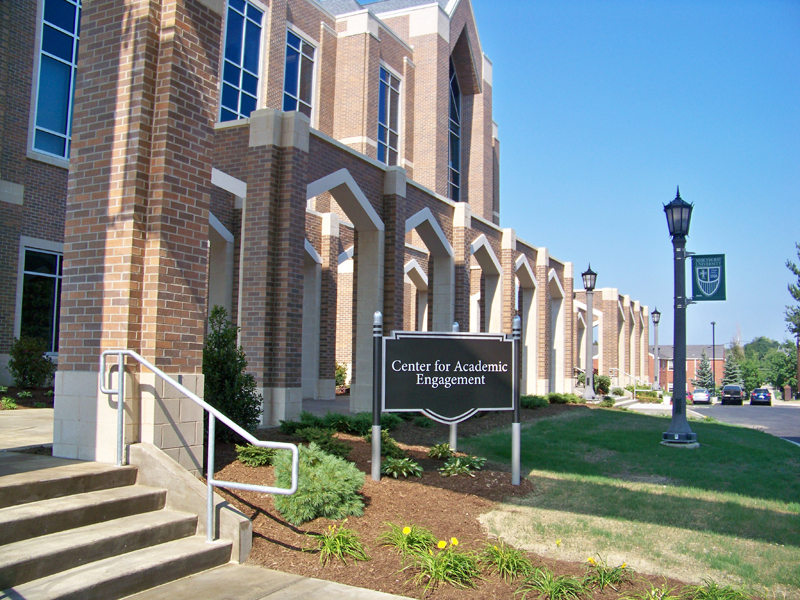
x: 732, y: 394
x: 701, y: 395
x: 761, y: 396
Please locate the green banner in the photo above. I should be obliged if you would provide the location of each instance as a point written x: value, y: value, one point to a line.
x: 708, y: 277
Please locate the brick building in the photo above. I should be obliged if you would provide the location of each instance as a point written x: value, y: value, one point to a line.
x: 301, y: 163
x: 694, y: 354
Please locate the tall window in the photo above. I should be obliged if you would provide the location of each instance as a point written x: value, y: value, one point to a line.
x: 242, y: 57
x: 388, y: 118
x: 58, y: 62
x: 298, y: 74
x: 455, y: 135
x: 41, y: 296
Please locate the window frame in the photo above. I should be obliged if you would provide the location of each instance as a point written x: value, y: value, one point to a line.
x: 399, y: 132
x: 32, y: 151
x: 36, y: 245
x: 290, y: 28
x: 451, y: 186
x: 259, y: 70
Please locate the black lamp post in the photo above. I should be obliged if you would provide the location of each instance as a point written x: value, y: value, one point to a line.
x: 589, y: 281
x: 656, y: 318
x: 713, y: 358
x: 679, y: 214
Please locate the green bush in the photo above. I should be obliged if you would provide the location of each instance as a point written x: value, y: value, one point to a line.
x: 400, y: 466
x: 556, y: 398
x: 533, y: 401
x: 328, y: 487
x: 340, y: 374
x: 324, y: 439
x: 607, y: 402
x: 227, y: 387
x: 389, y: 447
x: 602, y: 383
x: 255, y: 456
x: 424, y: 422
x: 7, y: 403
x: 28, y: 363
x: 617, y: 391
x: 307, y: 419
x: 440, y: 451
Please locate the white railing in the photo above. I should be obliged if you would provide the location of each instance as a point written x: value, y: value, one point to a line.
x: 636, y: 380
x: 213, y: 415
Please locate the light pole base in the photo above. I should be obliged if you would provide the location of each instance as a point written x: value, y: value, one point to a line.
x: 684, y: 445
x: 681, y: 438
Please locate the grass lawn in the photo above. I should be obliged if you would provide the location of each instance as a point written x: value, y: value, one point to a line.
x: 729, y: 511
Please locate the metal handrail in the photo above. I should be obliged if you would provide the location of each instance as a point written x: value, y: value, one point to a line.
x: 635, y: 380
x: 213, y: 415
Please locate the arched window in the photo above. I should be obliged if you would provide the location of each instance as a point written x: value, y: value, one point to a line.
x: 455, y: 135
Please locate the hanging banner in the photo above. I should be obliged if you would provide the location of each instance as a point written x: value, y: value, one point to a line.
x: 708, y: 277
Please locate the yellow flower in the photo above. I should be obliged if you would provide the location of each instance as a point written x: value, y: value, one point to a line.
x: 495, y: 547
x: 590, y: 560
x: 454, y: 541
x: 624, y: 565
x: 430, y: 551
x: 558, y: 542
x: 406, y: 530
x: 441, y: 544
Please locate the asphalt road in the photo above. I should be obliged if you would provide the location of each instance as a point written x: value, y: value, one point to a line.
x: 782, y: 419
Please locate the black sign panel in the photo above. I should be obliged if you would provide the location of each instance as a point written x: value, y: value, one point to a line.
x: 447, y: 376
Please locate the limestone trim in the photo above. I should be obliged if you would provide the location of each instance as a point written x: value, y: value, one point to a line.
x: 349, y: 196
x: 431, y: 232
x: 415, y: 275
x: 525, y: 274
x: 347, y: 254
x: 230, y: 184
x: 481, y: 249
x: 10, y: 192
x: 312, y: 253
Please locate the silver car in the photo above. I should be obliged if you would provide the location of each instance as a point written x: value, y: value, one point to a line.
x: 701, y: 395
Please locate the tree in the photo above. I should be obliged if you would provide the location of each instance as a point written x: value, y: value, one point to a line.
x: 733, y: 372
x: 705, y: 376
x: 779, y: 366
x: 793, y: 312
x: 227, y: 387
x: 758, y: 348
x: 751, y: 374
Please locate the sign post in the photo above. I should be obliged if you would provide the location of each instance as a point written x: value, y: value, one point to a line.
x: 515, y: 423
x: 377, y: 371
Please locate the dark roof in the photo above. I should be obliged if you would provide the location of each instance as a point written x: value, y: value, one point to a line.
x: 341, y: 7
x: 692, y: 351
x: 390, y: 5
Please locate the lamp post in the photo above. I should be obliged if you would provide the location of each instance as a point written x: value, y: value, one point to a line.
x: 679, y: 214
x: 656, y: 318
x: 713, y: 358
x: 589, y: 281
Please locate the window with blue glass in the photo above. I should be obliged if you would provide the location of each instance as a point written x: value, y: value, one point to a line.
x: 388, y: 118
x: 58, y: 62
x: 455, y: 135
x: 41, y: 296
x: 298, y: 74
x: 243, y: 29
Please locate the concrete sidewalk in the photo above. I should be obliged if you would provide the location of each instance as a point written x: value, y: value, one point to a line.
x: 26, y: 428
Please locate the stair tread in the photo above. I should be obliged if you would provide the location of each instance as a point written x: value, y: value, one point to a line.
x: 116, y: 577
x: 55, y: 512
x: 41, y: 556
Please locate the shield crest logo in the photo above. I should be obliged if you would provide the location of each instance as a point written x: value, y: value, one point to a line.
x: 709, y: 279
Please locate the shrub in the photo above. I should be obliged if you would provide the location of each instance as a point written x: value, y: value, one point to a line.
x: 3, y: 389
x: 407, y: 540
x: 7, y: 403
x: 424, y: 422
x: 462, y: 465
x: 227, y: 387
x: 509, y: 563
x: 391, y: 421
x: 28, y: 363
x: 710, y: 590
x: 446, y: 566
x: 335, y: 421
x: 602, y: 383
x: 546, y: 584
x: 361, y: 423
x: 325, y: 441
x: 307, y: 419
x: 599, y: 575
x: 617, y: 391
x: 389, y: 447
x: 339, y: 542
x: 255, y: 456
x: 556, y: 398
x: 328, y: 487
x: 340, y: 374
x: 401, y: 466
x: 533, y: 401
x: 607, y: 402
x: 440, y: 451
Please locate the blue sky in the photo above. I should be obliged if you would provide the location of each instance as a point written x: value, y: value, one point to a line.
x: 604, y: 107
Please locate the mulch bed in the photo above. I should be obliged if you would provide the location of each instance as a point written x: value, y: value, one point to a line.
x: 448, y: 506
x: 39, y: 397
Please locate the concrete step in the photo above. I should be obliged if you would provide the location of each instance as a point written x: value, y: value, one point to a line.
x: 42, y: 556
x: 120, y: 576
x: 34, y: 519
x: 245, y: 582
x: 23, y: 481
